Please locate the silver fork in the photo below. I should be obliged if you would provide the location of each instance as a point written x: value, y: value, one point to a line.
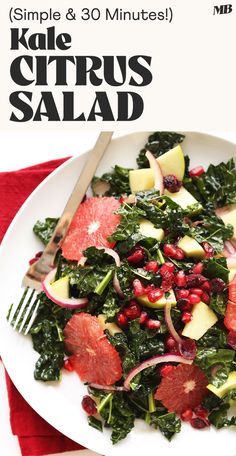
x: 22, y: 314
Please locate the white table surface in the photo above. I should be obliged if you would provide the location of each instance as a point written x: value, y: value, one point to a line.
x: 16, y: 152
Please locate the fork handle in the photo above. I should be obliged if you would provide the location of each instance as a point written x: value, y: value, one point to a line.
x: 46, y: 261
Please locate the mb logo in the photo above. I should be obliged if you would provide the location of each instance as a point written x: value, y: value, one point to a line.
x: 223, y: 9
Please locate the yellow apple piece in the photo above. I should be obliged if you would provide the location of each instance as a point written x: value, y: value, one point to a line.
x: 228, y: 215
x: 160, y: 304
x: 148, y: 229
x: 226, y: 387
x: 141, y: 180
x: 60, y: 288
x: 203, y: 318
x: 172, y: 162
x: 183, y: 198
x: 191, y: 247
x: 113, y: 328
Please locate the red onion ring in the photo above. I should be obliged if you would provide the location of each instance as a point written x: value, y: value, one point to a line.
x: 158, y: 183
x: 170, y: 325
x: 70, y: 303
x: 107, y: 387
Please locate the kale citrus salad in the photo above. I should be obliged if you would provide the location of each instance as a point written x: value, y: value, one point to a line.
x: 142, y: 301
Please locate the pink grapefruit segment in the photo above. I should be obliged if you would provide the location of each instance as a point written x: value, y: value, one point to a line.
x: 93, y: 357
x: 93, y: 222
x: 184, y: 388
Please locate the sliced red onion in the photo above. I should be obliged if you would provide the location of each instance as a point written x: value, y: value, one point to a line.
x: 231, y: 262
x: 230, y: 247
x: 170, y: 325
x: 82, y: 261
x: 166, y: 358
x: 117, y: 287
x: 158, y: 183
x: 112, y: 253
x: 130, y: 199
x: 107, y: 387
x: 70, y: 303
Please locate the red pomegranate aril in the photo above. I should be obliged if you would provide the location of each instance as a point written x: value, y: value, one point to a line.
x: 170, y: 343
x: 180, y: 279
x: 67, y: 365
x: 184, y: 304
x: 231, y: 339
x: 186, y: 317
x: 186, y: 415
x: 89, y: 405
x: 133, y: 311
x: 153, y: 324
x: 182, y: 294
x: 166, y: 370
x: 143, y: 318
x: 201, y: 412
x: 137, y: 256
x: 155, y: 295
x: 194, y: 298
x: 199, y: 423
x: 180, y: 255
x: 122, y: 320
x: 195, y: 280
x: 209, y: 251
x: 152, y: 266
x: 196, y: 291
x: 198, y: 268
x: 168, y: 280
x: 33, y: 260
x: 197, y: 171
x: 39, y: 254
x: 188, y: 348
x: 138, y: 287
x: 170, y: 250
x: 167, y: 267
x: 149, y: 288
x: 206, y: 286
x: 205, y: 297
x: 217, y: 285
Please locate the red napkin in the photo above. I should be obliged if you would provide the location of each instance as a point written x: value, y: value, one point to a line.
x: 36, y: 437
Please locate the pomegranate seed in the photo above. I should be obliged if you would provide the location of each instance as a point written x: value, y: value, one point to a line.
x: 194, y: 298
x: 121, y: 199
x: 167, y: 267
x: 89, y: 405
x: 231, y: 339
x: 199, y: 423
x: 138, y: 287
x: 137, y: 256
x: 168, y: 280
x: 67, y: 365
x: 143, y: 318
x: 149, y: 288
x: 155, y: 295
x: 186, y: 317
x: 205, y: 297
x: 166, y: 370
x: 170, y: 250
x: 198, y: 268
x: 33, y: 260
x: 180, y: 279
x: 180, y: 255
x: 153, y: 324
x: 170, y: 343
x: 187, y: 415
x: 182, y: 294
x: 39, y: 254
x: 172, y: 183
x: 206, y: 286
x: 217, y: 285
x: 197, y: 171
x: 201, y: 412
x: 195, y: 280
x: 209, y: 251
x: 122, y: 320
x: 188, y: 348
x: 184, y: 304
x: 196, y: 291
x: 152, y: 266
x: 133, y: 311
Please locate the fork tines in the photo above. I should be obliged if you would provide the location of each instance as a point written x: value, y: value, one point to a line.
x: 22, y: 314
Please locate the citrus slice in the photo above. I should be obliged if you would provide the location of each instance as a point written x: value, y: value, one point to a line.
x: 232, y: 289
x: 93, y: 222
x: 184, y: 388
x: 93, y: 357
x: 230, y: 316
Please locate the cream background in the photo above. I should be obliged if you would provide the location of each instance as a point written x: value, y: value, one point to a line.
x: 193, y: 63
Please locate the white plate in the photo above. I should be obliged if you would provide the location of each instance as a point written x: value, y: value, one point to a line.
x: 59, y: 404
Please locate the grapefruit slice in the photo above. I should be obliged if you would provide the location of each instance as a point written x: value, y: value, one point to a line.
x: 230, y: 316
x: 232, y: 290
x: 93, y: 357
x: 184, y: 388
x: 93, y: 222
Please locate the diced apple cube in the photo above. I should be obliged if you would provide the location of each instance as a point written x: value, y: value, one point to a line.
x: 160, y: 304
x: 113, y: 328
x: 141, y: 180
x: 203, y: 318
x: 191, y: 247
x: 172, y: 162
x: 148, y: 229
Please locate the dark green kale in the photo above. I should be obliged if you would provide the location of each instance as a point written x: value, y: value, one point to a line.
x: 44, y: 230
x: 111, y: 306
x: 216, y: 187
x: 47, y: 337
x: 169, y: 425
x: 221, y: 360
x: 216, y: 267
x: 95, y: 423
x: 125, y: 275
x: 158, y: 143
x: 219, y: 417
x: 117, y: 182
x: 129, y: 222
x: 212, y: 229
x: 144, y: 343
x: 214, y: 337
x: 218, y: 303
x: 97, y: 257
x: 120, y: 342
